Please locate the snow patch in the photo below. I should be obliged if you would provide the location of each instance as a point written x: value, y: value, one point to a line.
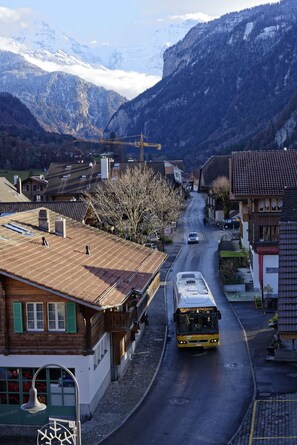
x: 248, y: 30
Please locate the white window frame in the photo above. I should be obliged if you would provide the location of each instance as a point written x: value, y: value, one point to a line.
x: 35, y: 319
x: 56, y: 317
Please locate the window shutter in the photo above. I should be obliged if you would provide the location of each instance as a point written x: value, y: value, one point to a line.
x: 18, y: 318
x: 71, y: 317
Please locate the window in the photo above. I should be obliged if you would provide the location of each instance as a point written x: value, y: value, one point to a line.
x: 279, y: 204
x: 267, y: 204
x: 261, y: 205
x: 273, y: 205
x: 56, y: 317
x: 268, y: 233
x: 35, y: 320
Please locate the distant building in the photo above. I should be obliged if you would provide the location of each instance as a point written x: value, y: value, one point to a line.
x: 10, y: 192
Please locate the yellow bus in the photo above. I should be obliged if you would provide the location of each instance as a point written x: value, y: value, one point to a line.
x: 195, y: 312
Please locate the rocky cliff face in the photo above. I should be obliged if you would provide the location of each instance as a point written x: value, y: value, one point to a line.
x: 61, y: 103
x: 230, y: 84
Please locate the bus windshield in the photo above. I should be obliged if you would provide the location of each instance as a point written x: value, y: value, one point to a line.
x: 197, y: 323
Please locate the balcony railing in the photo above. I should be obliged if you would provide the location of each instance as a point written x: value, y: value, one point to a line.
x: 123, y: 321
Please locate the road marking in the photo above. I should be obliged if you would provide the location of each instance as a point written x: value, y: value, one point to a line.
x: 269, y: 422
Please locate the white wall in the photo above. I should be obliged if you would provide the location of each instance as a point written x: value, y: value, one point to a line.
x: 244, y: 237
x: 92, y: 382
x: 255, y: 271
x: 270, y: 277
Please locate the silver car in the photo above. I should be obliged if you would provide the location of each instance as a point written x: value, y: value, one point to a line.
x: 193, y: 238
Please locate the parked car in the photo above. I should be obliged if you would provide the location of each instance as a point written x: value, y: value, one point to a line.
x: 231, y: 223
x: 193, y: 238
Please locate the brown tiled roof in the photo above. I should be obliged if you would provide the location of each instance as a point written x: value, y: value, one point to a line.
x: 39, y: 178
x: 8, y: 192
x: 72, y: 178
x: 287, y: 278
x: 102, y: 279
x: 289, y: 209
x: 214, y: 167
x: 73, y: 209
x: 261, y: 173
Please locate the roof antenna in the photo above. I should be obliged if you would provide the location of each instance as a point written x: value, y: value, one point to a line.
x: 44, y: 242
x: 88, y: 250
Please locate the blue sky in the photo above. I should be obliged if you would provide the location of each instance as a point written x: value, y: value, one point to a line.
x: 113, y: 21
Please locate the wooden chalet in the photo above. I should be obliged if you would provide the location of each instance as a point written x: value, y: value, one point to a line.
x: 70, y: 181
x: 34, y: 187
x: 69, y: 294
x: 258, y: 181
x: 215, y: 167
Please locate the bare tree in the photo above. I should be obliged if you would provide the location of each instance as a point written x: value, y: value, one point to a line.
x: 137, y: 203
x: 221, y: 190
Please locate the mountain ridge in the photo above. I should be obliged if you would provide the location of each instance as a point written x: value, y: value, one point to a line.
x: 227, y: 82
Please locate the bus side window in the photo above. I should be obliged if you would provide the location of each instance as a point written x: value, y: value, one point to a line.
x: 175, y: 318
x: 219, y: 315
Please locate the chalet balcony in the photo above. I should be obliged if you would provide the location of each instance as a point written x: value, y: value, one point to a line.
x: 123, y: 321
x: 264, y: 229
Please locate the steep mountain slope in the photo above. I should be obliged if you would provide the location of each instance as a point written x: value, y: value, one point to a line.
x: 224, y: 85
x: 25, y: 145
x: 13, y: 113
x: 61, y: 103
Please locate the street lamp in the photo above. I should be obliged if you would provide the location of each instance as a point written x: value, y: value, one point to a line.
x: 34, y: 406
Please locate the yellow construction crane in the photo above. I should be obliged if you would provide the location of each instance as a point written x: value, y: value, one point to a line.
x: 140, y: 144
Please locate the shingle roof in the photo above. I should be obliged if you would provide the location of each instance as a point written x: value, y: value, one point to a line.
x: 72, y: 178
x: 263, y: 172
x: 73, y: 209
x: 287, y: 281
x: 8, y: 192
x: 289, y: 209
x: 214, y: 167
x: 102, y: 279
x: 287, y: 277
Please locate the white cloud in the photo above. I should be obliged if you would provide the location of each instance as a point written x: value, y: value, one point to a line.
x: 199, y: 16
x: 11, y: 20
x: 127, y: 83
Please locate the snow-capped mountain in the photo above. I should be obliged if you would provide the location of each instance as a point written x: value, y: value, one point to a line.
x: 128, y: 70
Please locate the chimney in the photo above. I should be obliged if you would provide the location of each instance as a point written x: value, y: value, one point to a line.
x: 15, y: 179
x: 43, y: 220
x: 60, y: 227
x: 104, y: 168
x: 19, y: 185
x: 88, y: 250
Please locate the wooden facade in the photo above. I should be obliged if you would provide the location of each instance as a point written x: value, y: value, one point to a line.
x: 13, y: 340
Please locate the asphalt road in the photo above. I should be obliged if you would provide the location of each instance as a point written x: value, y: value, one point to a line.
x: 198, y: 397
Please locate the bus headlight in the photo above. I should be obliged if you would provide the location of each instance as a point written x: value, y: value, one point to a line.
x: 214, y: 340
x: 182, y: 342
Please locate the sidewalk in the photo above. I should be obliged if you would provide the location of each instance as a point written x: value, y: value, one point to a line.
x: 122, y: 397
x: 270, y: 420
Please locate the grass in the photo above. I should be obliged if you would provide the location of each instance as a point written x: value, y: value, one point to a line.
x: 231, y: 254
